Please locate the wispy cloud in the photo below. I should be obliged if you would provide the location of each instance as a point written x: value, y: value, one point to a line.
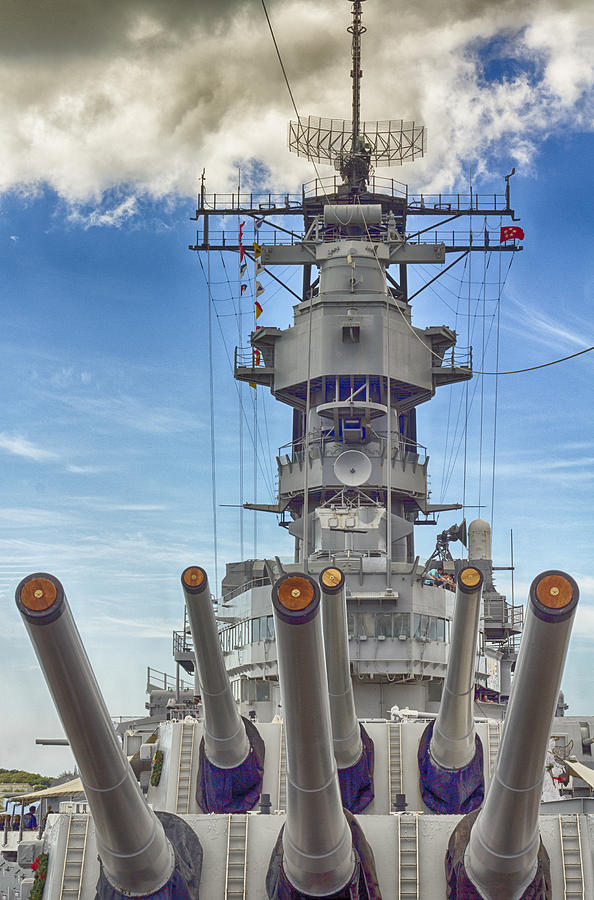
x: 114, y: 216
x: 17, y: 517
x: 69, y: 375
x: 20, y: 446
x: 102, y: 503
x: 542, y: 327
x: 132, y: 412
x: 87, y: 470
x: 139, y: 628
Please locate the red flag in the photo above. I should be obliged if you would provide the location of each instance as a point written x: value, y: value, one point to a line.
x: 256, y: 357
x: 241, y: 224
x: 241, y: 253
x: 258, y: 309
x: 508, y: 232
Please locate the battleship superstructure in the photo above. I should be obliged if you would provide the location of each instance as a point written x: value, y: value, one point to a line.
x: 348, y: 742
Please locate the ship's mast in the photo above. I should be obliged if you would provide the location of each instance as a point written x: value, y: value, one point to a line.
x: 356, y: 29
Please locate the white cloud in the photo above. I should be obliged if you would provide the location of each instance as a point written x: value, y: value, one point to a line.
x: 131, y: 412
x: 87, y: 470
x: 536, y: 324
x: 115, y: 216
x: 139, y: 628
x: 146, y: 94
x: 18, y: 517
x: 20, y: 446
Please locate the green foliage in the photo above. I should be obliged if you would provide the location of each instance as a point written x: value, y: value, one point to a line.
x: 40, y: 868
x: 157, y: 768
x: 15, y: 776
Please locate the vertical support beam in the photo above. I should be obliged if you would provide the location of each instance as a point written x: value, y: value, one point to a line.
x: 306, y: 281
x: 404, y: 281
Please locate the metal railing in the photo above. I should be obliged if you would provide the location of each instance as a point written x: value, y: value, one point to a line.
x: 456, y: 358
x: 320, y: 187
x: 375, y: 233
x: 249, y: 358
x: 241, y: 589
x: 457, y: 202
x: 248, y: 200
x: 182, y: 642
x: 503, y: 613
x: 389, y: 187
x: 327, y: 446
x: 159, y: 679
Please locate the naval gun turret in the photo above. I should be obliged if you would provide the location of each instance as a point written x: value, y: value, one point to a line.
x: 450, y: 752
x: 497, y: 853
x: 321, y: 850
x: 353, y: 748
x: 141, y: 853
x: 231, y: 750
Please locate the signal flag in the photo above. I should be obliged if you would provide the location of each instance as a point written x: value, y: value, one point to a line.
x: 509, y: 232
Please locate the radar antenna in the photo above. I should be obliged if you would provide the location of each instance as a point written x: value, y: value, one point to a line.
x: 354, y: 146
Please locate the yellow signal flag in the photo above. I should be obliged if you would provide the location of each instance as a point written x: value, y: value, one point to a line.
x: 257, y: 250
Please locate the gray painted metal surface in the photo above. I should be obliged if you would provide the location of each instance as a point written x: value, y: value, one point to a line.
x: 502, y: 852
x: 346, y: 733
x: 453, y: 741
x: 136, y: 855
x: 225, y: 742
x: 318, y: 854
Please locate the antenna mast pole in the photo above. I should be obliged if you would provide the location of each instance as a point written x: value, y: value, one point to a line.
x: 356, y: 29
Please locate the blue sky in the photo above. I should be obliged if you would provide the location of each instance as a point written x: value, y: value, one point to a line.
x: 104, y: 408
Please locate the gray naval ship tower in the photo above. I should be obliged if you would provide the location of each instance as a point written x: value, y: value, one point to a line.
x: 331, y: 798
x: 353, y: 480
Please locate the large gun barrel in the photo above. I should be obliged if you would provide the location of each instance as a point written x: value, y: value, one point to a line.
x: 136, y: 855
x: 225, y: 741
x: 453, y: 740
x: 317, y: 843
x: 450, y: 753
x: 353, y: 748
x: 501, y: 858
x: 346, y: 732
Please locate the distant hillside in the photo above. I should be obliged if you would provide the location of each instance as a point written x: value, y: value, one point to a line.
x: 16, y: 776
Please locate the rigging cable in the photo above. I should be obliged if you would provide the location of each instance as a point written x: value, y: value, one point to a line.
x: 451, y: 394
x: 270, y: 455
x: 265, y: 475
x: 213, y: 474
x: 495, y: 402
x: 469, y: 343
x: 486, y: 261
x: 240, y: 408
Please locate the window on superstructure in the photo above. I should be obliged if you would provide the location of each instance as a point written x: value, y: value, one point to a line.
x: 351, y: 625
x: 262, y: 691
x: 401, y: 625
x: 429, y: 628
x: 383, y: 625
x: 366, y: 624
x: 270, y: 628
x: 256, y: 630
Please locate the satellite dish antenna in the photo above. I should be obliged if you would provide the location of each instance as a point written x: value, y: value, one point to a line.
x: 459, y: 533
x: 352, y: 468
